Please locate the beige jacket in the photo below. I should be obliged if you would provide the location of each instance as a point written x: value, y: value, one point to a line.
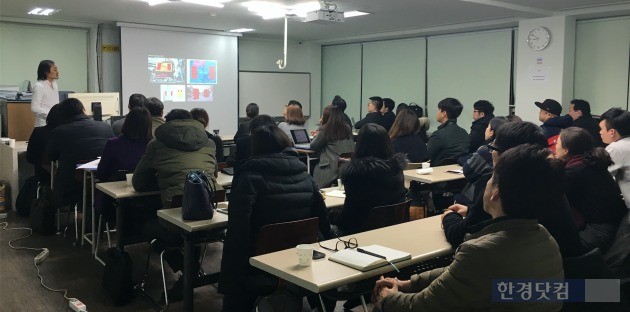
x: 505, y: 249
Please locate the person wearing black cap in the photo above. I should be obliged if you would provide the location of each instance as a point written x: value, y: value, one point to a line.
x: 549, y: 114
x: 580, y: 112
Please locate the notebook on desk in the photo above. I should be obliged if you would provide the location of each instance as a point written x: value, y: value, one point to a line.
x: 365, y: 262
x: 301, y: 139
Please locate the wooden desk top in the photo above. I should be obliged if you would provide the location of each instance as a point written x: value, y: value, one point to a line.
x: 439, y: 174
x: 227, y: 138
x: 120, y: 189
x: 423, y: 239
x: 174, y: 216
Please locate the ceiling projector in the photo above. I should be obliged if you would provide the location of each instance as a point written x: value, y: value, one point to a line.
x: 324, y: 16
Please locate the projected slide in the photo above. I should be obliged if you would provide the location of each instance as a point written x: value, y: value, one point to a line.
x: 172, y: 93
x: 166, y: 69
x: 200, y: 93
x: 202, y: 71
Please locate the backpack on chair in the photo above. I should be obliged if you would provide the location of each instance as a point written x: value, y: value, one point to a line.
x: 117, y: 278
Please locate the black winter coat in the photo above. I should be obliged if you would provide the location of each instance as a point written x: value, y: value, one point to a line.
x: 591, y: 125
x: 413, y: 146
x: 269, y: 189
x: 369, y: 182
x: 478, y: 132
x: 81, y: 138
x: 375, y: 117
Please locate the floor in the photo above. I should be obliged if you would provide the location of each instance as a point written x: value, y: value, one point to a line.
x: 73, y: 268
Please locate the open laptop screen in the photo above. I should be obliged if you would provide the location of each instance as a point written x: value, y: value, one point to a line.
x: 300, y: 136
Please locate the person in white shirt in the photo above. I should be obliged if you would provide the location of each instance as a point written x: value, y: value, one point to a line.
x: 45, y: 91
x: 615, y: 131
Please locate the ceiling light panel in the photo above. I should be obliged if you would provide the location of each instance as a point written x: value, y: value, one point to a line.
x: 354, y: 13
x: 43, y: 11
x: 269, y: 10
x: 211, y: 3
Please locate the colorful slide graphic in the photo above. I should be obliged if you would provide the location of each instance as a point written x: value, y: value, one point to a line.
x: 166, y: 70
x: 172, y: 93
x: 202, y: 71
x: 200, y: 93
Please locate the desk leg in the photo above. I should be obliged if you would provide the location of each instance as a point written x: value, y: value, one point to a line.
x: 321, y: 301
x: 93, y: 216
x: 120, y: 225
x: 308, y: 163
x: 188, y: 274
x: 84, y: 208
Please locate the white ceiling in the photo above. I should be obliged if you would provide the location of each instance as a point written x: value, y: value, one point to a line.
x: 389, y: 18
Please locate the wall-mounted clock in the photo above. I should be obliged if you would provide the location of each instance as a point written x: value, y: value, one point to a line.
x: 538, y: 38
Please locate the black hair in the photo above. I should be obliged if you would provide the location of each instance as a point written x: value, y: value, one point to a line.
x: 618, y: 119
x: 251, y: 110
x: 55, y: 117
x: 295, y: 102
x: 339, y: 102
x: 377, y: 101
x: 260, y: 121
x: 578, y: 141
x: 71, y: 107
x: 137, y: 125
x: 513, y: 134
x: 268, y: 140
x: 484, y: 106
x: 400, y: 107
x: 452, y: 107
x: 494, y: 124
x: 582, y: 106
x: 136, y: 100
x: 154, y: 105
x: 177, y: 113
x: 333, y: 124
x: 373, y: 140
x: 527, y: 179
x: 44, y: 68
x: 200, y: 115
x: 389, y: 103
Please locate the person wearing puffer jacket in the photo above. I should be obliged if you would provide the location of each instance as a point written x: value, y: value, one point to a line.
x: 372, y: 178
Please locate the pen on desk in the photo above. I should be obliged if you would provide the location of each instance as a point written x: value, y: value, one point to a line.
x: 378, y: 256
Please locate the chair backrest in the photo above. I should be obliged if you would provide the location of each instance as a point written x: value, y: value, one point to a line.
x: 413, y: 166
x: 588, y: 265
x: 448, y: 161
x: 176, y: 201
x: 285, y: 235
x: 383, y: 216
x: 222, y: 165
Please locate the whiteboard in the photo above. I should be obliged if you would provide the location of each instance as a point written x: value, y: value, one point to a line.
x: 273, y: 90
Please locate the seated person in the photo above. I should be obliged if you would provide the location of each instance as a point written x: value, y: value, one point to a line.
x: 550, y: 111
x: 333, y: 139
x: 135, y: 100
x: 388, y: 113
x: 511, y: 245
x: 293, y: 119
x: 449, y: 140
x: 374, y: 106
x: 35, y: 150
x: 272, y: 187
x: 156, y: 108
x: 243, y: 128
x: 79, y: 139
x: 406, y: 139
x: 580, y: 112
x: 482, y: 114
x: 591, y: 190
x: 241, y: 150
x: 341, y: 104
x: 615, y: 131
x: 372, y: 178
x: 200, y: 115
x: 460, y: 220
x: 122, y: 153
x: 180, y: 146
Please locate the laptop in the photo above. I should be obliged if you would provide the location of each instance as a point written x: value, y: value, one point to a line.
x: 301, y: 139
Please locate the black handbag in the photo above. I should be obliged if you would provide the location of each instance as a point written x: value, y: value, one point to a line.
x: 198, y: 200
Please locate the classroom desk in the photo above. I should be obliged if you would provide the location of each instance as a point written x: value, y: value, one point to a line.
x: 332, y: 201
x: 438, y: 175
x: 190, y: 230
x: 324, y: 274
x: 309, y: 154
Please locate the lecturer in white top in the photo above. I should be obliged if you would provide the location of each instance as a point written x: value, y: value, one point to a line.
x: 45, y: 91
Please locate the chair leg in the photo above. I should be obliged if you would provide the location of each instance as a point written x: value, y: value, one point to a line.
x: 58, y: 220
x: 321, y: 301
x: 365, y: 308
x: 203, y: 257
x: 164, y: 278
x: 76, y: 223
x: 109, y: 239
x: 146, y: 267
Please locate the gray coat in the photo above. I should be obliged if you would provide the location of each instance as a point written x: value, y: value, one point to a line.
x: 327, y: 171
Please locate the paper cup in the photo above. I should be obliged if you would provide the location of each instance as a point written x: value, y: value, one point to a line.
x: 305, y: 254
x: 129, y: 178
x: 425, y: 165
